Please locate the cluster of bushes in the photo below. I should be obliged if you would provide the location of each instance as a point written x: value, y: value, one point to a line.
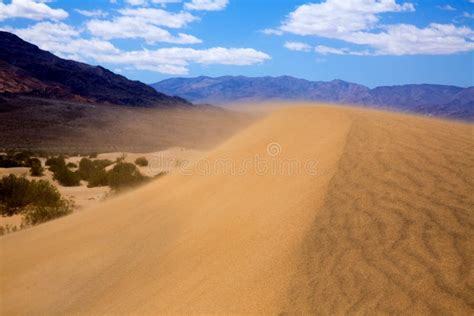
x: 94, y: 172
x: 14, y: 159
x: 141, y: 161
x: 37, y: 200
x: 121, y: 176
x: 62, y: 173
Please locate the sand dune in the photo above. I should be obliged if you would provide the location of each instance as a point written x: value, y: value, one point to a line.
x: 381, y: 222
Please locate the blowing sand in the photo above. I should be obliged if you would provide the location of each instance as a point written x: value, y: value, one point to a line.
x: 382, y: 223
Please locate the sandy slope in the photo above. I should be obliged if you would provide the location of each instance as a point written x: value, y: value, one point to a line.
x: 384, y: 224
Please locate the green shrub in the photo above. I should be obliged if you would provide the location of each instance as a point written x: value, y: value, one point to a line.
x: 125, y: 175
x: 67, y: 177
x: 8, y: 162
x: 36, y: 169
x: 102, y: 163
x: 38, y: 200
x: 122, y: 158
x: 14, y: 195
x: 40, y: 214
x: 71, y: 165
x: 93, y: 155
x: 86, y: 169
x: 56, y: 163
x: 61, y: 172
x: 94, y: 172
x: 141, y: 161
x: 15, y: 159
x: 98, y: 179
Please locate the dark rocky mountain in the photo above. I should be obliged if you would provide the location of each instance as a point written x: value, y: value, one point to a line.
x: 27, y: 70
x: 436, y: 100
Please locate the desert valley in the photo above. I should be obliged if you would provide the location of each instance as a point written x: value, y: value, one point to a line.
x: 230, y: 194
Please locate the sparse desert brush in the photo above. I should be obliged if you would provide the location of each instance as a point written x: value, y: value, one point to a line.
x: 36, y: 169
x: 8, y: 162
x: 86, y: 168
x: 98, y: 179
x: 56, y: 163
x: 67, y: 177
x: 71, y: 165
x: 141, y: 161
x: 122, y: 158
x: 40, y: 214
x: 102, y: 163
x: 61, y: 172
x: 94, y: 171
x: 125, y: 175
x: 14, y: 159
x: 93, y: 155
x: 38, y: 200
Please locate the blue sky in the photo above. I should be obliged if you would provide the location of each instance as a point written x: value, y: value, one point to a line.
x: 372, y: 42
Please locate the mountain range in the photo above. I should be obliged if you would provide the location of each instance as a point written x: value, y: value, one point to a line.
x: 436, y: 100
x: 26, y: 70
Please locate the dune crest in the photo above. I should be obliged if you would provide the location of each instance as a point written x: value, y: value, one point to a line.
x: 383, y: 224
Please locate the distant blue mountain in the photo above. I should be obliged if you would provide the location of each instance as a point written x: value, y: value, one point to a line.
x: 436, y: 100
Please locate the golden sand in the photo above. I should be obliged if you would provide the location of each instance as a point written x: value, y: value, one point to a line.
x: 384, y: 224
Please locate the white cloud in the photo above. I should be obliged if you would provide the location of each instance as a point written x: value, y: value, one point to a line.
x: 136, y: 2
x: 165, y: 1
x: 333, y: 17
x: 147, y: 2
x: 160, y: 17
x: 206, y: 5
x: 65, y: 41
x: 326, y: 50
x: 406, y: 39
x: 177, y: 59
x: 91, y: 13
x: 144, y: 23
x: 446, y: 7
x: 129, y: 27
x: 298, y: 46
x: 358, y: 22
x: 272, y: 32
x: 30, y: 9
x: 468, y: 15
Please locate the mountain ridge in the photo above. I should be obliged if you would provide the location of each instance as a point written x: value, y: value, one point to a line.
x: 429, y: 99
x: 25, y: 69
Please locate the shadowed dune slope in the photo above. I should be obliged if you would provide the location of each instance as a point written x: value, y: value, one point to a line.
x: 384, y: 223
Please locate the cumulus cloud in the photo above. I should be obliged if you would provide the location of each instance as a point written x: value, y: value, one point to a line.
x: 160, y: 17
x: 326, y: 50
x: 176, y: 60
x: 147, y: 2
x: 30, y: 9
x: 298, y: 46
x: 206, y: 5
x: 128, y: 27
x: 66, y: 41
x: 272, y: 32
x: 91, y: 13
x: 446, y: 7
x: 144, y: 23
x: 333, y: 17
x: 406, y: 39
x: 358, y: 22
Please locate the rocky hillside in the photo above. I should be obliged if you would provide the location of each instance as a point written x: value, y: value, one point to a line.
x: 27, y: 70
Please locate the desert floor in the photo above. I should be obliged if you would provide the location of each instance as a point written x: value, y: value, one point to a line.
x: 311, y: 209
